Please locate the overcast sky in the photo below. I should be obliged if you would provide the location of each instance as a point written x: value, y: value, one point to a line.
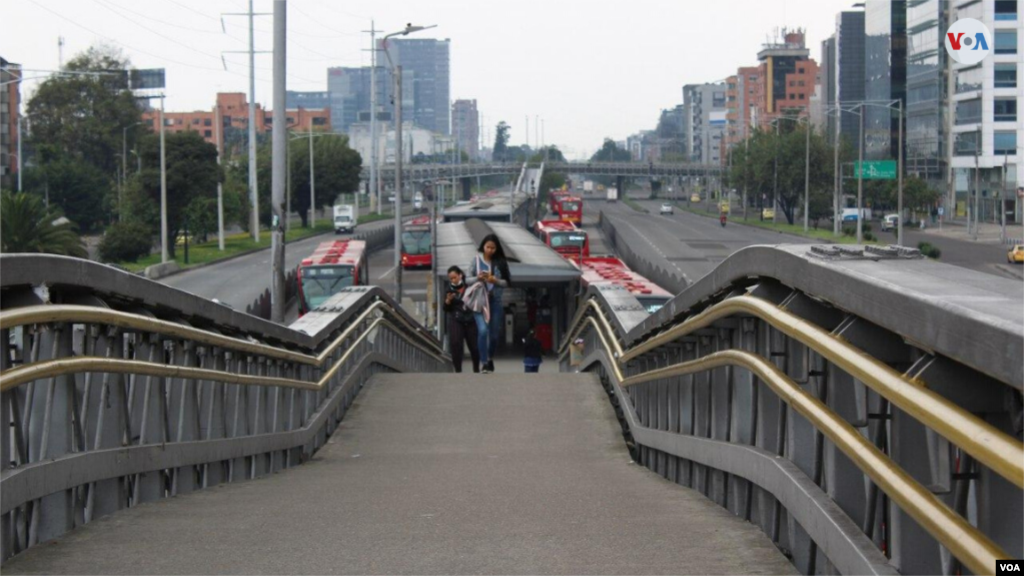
x: 589, y: 69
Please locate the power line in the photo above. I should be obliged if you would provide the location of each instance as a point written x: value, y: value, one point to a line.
x: 168, y: 38
x: 134, y: 49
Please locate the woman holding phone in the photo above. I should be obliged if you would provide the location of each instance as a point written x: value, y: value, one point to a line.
x: 491, y: 267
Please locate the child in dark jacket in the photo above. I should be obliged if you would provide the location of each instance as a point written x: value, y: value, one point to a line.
x: 533, y: 353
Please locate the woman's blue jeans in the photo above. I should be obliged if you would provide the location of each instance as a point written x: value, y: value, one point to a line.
x: 488, y: 334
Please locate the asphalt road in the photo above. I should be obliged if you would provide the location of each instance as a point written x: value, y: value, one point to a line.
x: 685, y: 243
x: 239, y: 281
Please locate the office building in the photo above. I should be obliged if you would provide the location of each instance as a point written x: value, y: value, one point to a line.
x: 427, y: 61
x: 705, y: 119
x: 466, y: 127
x: 10, y: 102
x: 848, y: 70
x: 348, y: 90
x: 885, y: 75
x: 927, y: 61
x: 787, y: 77
x: 986, y: 121
x: 309, y: 100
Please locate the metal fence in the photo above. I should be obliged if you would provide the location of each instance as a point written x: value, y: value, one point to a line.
x: 855, y: 450
x: 118, y: 391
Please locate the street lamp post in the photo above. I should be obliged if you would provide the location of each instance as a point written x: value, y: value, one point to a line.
x: 124, y: 165
x: 397, y: 73
x: 163, y: 186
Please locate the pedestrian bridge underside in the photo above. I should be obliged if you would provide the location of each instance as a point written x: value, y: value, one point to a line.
x: 817, y: 409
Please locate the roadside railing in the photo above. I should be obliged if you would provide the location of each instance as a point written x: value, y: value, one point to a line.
x: 854, y: 450
x: 118, y: 391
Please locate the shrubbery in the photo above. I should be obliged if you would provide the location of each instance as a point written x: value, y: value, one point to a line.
x: 126, y: 242
x: 929, y: 250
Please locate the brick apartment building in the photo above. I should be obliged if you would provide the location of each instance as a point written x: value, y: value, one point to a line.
x: 234, y: 113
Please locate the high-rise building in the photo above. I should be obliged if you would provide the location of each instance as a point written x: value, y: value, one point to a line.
x: 705, y: 118
x: 744, y: 93
x: 466, y: 127
x: 348, y: 90
x: 787, y: 77
x: 987, y: 101
x: 885, y: 74
x: 427, y: 60
x: 848, y: 71
x: 926, y: 113
x: 10, y: 101
x: 827, y: 76
x: 309, y: 100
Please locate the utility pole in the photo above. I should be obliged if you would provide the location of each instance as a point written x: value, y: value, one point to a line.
x: 899, y: 184
x: 163, y: 187
x: 977, y: 189
x: 220, y: 187
x: 838, y: 175
x: 807, y: 173
x: 375, y: 199
x: 278, y: 163
x: 860, y: 180
x: 253, y: 184
x: 312, y: 182
x: 398, y: 184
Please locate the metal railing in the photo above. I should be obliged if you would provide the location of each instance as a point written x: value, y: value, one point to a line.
x: 844, y: 443
x: 115, y: 398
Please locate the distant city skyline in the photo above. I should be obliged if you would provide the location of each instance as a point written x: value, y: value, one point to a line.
x: 631, y: 61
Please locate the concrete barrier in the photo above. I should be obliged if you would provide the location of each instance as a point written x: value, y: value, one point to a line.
x: 157, y: 271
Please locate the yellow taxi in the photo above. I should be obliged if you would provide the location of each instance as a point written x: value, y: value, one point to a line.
x: 694, y: 197
x: 1016, y: 254
x: 768, y: 213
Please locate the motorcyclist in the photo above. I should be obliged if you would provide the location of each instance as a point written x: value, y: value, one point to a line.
x: 722, y: 218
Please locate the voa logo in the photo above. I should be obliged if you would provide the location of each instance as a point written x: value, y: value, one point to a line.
x: 1004, y: 567
x: 968, y: 41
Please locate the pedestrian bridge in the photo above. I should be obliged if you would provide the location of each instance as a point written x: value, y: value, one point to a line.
x: 800, y: 409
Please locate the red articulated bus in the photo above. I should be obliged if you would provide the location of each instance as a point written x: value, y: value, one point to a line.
x: 554, y: 198
x: 565, y: 238
x: 608, y: 270
x: 417, y: 243
x: 333, y: 266
x: 569, y: 209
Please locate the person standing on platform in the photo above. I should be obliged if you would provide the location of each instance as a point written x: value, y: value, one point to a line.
x: 461, y: 322
x: 491, y: 267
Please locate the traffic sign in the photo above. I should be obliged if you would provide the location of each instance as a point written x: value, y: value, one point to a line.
x: 941, y: 210
x: 876, y: 170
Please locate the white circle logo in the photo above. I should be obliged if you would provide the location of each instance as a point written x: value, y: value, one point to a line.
x: 968, y: 41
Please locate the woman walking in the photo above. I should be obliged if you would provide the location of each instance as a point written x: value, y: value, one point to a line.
x: 461, y: 323
x: 491, y: 267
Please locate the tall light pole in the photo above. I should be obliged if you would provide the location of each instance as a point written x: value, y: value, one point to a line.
x: 220, y: 186
x: 163, y: 186
x: 279, y: 163
x: 860, y: 180
x: 397, y: 73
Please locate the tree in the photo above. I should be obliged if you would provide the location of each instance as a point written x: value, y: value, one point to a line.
x: 82, y: 116
x: 76, y: 186
x: 126, y: 242
x: 28, y: 225
x: 337, y: 172
x: 767, y: 155
x: 192, y: 172
x: 918, y: 196
x: 609, y: 152
x: 501, y: 136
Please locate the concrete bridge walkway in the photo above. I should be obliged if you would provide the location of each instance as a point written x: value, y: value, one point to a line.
x: 437, y: 474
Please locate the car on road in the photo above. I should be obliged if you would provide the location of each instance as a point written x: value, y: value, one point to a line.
x: 666, y: 208
x: 1016, y: 254
x: 767, y: 213
x: 890, y: 222
x: 694, y: 197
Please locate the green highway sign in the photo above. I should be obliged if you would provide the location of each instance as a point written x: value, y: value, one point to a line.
x: 876, y: 170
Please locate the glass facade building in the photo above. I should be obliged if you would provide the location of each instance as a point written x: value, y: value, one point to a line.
x: 427, y: 60
x: 849, y: 70
x: 926, y: 91
x: 885, y: 74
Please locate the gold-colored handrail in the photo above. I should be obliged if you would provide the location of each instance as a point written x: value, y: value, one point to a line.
x: 44, y: 314
x: 1000, y: 452
x: 23, y: 374
x: 976, y: 550
x: 964, y: 541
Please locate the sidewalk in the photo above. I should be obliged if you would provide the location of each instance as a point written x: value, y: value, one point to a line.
x: 988, y: 233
